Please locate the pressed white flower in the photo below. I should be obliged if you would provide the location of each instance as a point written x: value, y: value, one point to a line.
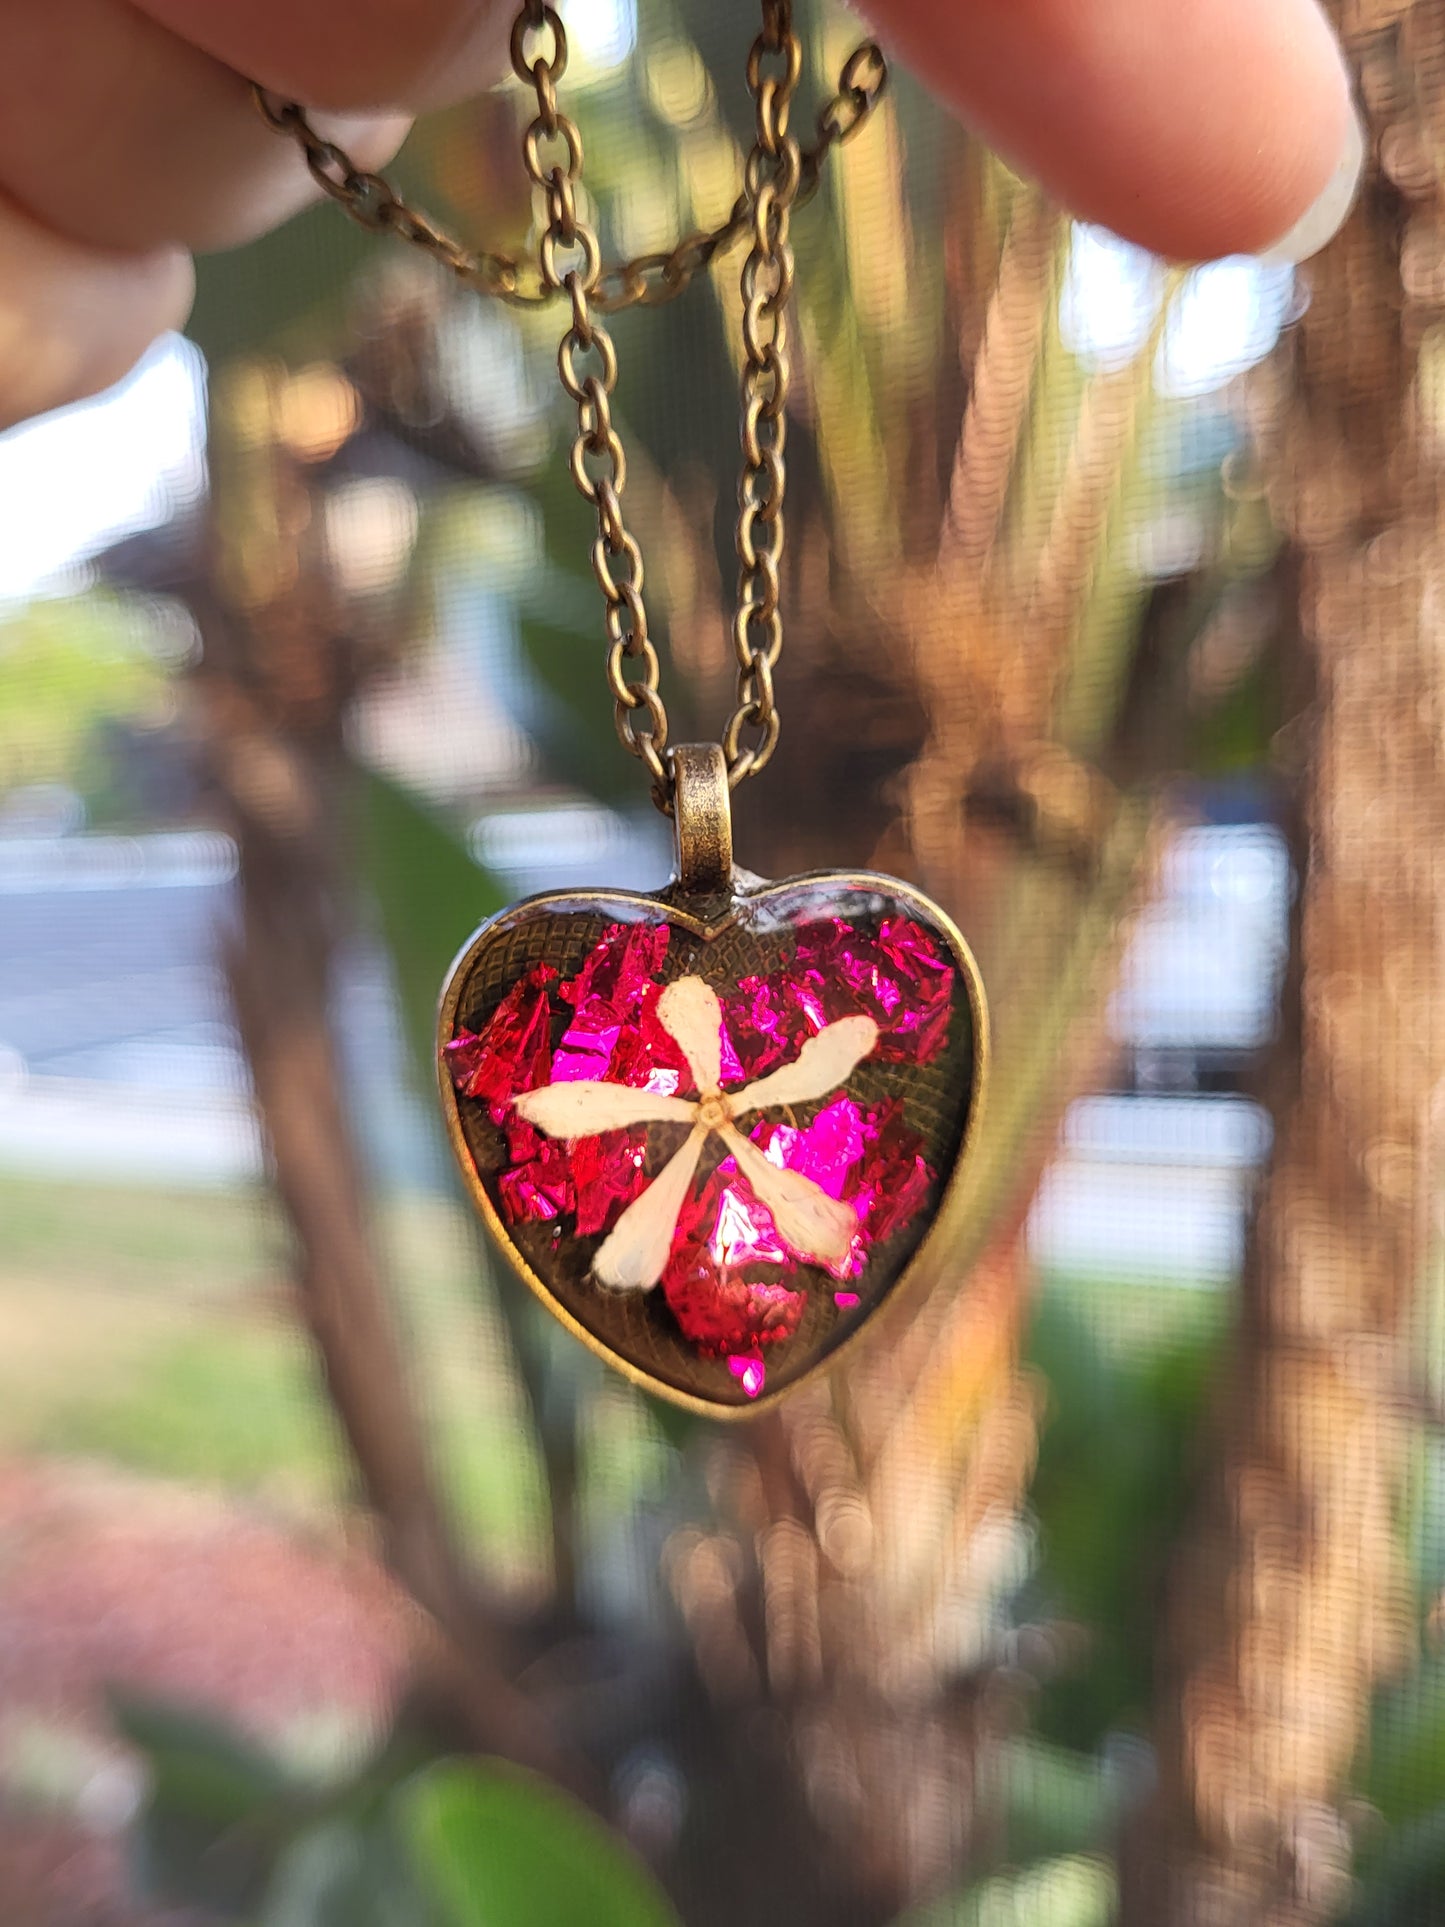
x: 634, y: 1254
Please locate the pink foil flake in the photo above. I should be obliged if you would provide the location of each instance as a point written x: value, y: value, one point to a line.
x: 768, y: 1020
x: 900, y: 978
x: 829, y: 1157
x: 872, y: 1159
x: 750, y: 1373
x: 722, y: 1314
x: 605, y: 994
x: 825, y: 1150
x: 728, y: 1281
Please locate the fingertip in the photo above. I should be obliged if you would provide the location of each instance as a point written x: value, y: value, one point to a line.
x: 158, y: 291
x: 1275, y: 145
x: 1322, y: 220
x: 238, y: 205
x: 75, y: 319
x: 1196, y: 128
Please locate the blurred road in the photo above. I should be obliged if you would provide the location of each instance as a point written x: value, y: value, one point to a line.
x: 118, y: 1056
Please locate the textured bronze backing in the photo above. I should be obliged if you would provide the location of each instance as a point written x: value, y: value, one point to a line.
x: 721, y: 939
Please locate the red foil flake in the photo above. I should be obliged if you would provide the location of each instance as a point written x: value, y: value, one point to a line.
x: 646, y: 1056
x: 727, y: 1315
x: 541, y: 1189
x: 894, y: 1178
x: 723, y: 1227
x: 624, y: 958
x: 512, y: 1051
x: 524, y: 1140
x: 608, y: 1173
x: 873, y: 1159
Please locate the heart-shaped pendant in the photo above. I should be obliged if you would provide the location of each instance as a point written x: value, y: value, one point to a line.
x: 712, y: 1129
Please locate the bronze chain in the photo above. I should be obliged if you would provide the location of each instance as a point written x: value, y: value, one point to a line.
x: 647, y: 280
x: 773, y: 171
x: 779, y: 175
x: 571, y: 262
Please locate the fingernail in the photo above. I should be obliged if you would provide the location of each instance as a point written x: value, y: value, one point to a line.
x: 1319, y: 224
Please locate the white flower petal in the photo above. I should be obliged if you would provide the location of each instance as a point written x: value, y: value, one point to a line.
x: 634, y: 1254
x: 587, y: 1107
x: 822, y: 1066
x: 692, y: 1016
x: 815, y: 1225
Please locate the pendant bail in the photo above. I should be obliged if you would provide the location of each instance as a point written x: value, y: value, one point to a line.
x: 702, y: 818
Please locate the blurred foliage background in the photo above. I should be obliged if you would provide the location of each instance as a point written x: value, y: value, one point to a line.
x: 335, y: 1585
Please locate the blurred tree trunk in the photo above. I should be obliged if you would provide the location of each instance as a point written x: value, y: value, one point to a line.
x: 1291, y: 1603
x: 279, y: 666
x: 855, y: 1579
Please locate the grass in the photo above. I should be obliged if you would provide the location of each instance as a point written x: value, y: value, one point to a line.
x: 1136, y: 1317
x: 156, y: 1330
x: 206, y: 1242
x: 1127, y: 1370
x: 229, y: 1402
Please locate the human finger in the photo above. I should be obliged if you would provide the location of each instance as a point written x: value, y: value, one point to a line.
x: 118, y: 133
x: 351, y: 54
x: 1195, y: 127
x: 74, y: 318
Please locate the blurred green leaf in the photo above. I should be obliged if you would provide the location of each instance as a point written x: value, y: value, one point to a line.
x: 579, y: 741
x: 197, y: 1763
x: 1404, y: 1775
x: 67, y: 666
x: 560, y: 622
x: 1075, y: 1890
x: 1111, y: 1495
x: 218, y: 1812
x: 1232, y: 737
x: 431, y: 896
x: 678, y: 1428
x: 493, y: 1847
x: 1055, y: 1801
x: 342, y: 1874
x: 286, y: 292
x: 1403, y: 1883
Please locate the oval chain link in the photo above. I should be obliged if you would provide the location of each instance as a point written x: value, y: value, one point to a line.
x: 779, y: 175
